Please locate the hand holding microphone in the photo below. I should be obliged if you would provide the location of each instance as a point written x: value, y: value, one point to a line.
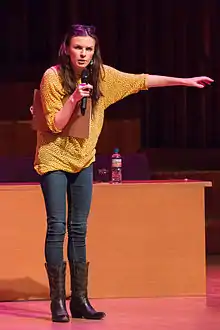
x: 85, y: 80
x: 83, y: 91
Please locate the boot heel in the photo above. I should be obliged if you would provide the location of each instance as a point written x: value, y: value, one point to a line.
x: 76, y: 315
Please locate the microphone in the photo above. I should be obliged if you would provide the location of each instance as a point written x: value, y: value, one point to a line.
x: 84, y: 80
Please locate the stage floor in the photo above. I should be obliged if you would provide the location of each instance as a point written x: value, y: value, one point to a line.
x: 191, y: 313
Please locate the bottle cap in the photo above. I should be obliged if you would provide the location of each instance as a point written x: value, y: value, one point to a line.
x: 116, y: 150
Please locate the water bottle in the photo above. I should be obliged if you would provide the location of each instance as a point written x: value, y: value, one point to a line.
x: 116, y: 167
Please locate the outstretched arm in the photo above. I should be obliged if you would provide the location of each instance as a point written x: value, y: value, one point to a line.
x: 163, y: 81
x: 116, y: 84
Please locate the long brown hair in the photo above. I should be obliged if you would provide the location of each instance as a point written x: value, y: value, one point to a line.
x: 95, y: 67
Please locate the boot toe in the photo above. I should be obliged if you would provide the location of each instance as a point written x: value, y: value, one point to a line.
x: 61, y: 319
x: 99, y: 315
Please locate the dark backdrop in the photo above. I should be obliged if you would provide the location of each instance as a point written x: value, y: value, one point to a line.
x: 167, y: 37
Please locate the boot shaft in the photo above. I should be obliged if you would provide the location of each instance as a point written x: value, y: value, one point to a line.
x: 79, y: 278
x: 57, y: 278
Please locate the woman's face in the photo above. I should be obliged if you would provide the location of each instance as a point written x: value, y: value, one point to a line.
x: 81, y: 51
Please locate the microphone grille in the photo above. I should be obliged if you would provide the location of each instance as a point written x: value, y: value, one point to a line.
x: 85, y: 76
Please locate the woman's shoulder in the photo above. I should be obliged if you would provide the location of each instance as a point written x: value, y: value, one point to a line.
x: 108, y: 72
x: 52, y: 72
x: 108, y: 69
x: 51, y: 77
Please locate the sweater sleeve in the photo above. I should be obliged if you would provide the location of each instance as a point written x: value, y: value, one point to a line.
x: 51, y: 97
x: 117, y: 85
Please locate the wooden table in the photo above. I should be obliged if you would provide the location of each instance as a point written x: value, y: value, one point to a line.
x: 145, y: 239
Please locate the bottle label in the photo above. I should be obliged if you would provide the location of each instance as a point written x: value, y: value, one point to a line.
x: 117, y: 162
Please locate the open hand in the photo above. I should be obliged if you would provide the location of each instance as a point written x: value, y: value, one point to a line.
x: 198, y: 82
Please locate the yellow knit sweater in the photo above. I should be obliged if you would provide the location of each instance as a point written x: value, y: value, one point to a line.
x: 54, y: 152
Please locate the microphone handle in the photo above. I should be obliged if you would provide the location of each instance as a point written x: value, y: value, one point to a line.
x: 83, y: 106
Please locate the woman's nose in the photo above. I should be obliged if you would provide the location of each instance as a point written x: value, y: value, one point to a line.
x: 83, y: 52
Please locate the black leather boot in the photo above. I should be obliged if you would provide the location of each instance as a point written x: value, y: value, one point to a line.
x: 56, y: 275
x: 80, y: 306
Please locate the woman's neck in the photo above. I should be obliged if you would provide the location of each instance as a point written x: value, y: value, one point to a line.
x: 77, y: 72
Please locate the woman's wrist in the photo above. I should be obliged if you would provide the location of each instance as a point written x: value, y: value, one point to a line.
x: 73, y: 101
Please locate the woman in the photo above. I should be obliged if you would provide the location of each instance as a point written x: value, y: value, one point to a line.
x: 65, y: 163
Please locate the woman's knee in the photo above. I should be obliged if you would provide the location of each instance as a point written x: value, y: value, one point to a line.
x: 77, y: 230
x: 56, y: 228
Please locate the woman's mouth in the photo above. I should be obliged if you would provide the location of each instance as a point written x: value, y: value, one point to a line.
x: 81, y: 62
